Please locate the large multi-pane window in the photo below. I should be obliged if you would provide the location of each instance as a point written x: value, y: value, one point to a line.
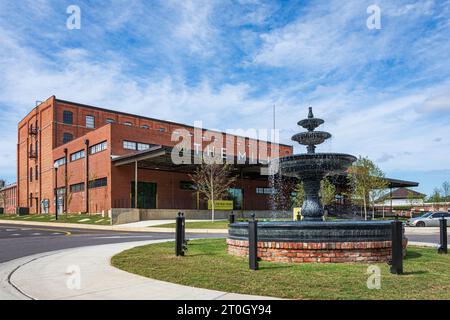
x: 129, y: 145
x: 67, y: 137
x: 97, y: 183
x: 68, y: 117
x: 77, y: 155
x: 132, y: 145
x: 90, y: 122
x: 143, y: 146
x: 265, y: 190
x: 60, y: 162
x: 98, y: 147
x: 78, y: 187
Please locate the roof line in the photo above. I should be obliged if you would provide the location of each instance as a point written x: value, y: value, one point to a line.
x: 149, y: 118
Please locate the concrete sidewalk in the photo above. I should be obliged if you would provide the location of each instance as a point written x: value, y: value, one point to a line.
x: 46, y: 277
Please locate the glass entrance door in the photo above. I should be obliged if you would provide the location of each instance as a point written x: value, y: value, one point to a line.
x: 146, y: 195
x: 237, y: 196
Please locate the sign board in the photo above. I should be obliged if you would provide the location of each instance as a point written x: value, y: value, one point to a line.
x: 297, y: 211
x: 221, y: 204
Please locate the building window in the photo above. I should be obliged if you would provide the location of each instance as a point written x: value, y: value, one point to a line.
x: 128, y: 123
x: 67, y: 137
x: 187, y: 185
x: 145, y: 126
x: 109, y: 120
x: 265, y: 190
x: 90, y: 122
x: 78, y: 187
x: 132, y: 145
x: 31, y: 174
x: 36, y: 173
x: 97, y: 183
x: 162, y: 129
x: 98, y: 147
x: 60, y: 162
x: 143, y: 146
x: 67, y: 117
x: 129, y: 145
x: 77, y: 155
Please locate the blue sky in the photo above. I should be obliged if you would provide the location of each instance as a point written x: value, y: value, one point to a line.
x: 384, y: 93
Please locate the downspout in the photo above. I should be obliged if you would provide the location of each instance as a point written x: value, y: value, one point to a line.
x: 86, y: 184
x: 65, y: 180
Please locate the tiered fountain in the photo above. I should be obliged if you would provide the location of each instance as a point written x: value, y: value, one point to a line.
x: 313, y: 239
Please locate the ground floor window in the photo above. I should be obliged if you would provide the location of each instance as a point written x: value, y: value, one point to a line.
x: 237, y: 196
x: 77, y: 187
x: 265, y: 190
x: 97, y: 183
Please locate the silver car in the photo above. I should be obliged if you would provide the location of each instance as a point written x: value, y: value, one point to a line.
x: 429, y: 219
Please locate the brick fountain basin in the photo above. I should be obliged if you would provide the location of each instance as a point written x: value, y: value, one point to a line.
x: 316, y: 241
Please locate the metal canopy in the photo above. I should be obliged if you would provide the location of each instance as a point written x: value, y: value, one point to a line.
x: 341, y: 180
x: 159, y: 158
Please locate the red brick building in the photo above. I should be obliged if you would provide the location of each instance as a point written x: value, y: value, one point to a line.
x: 8, y: 198
x: 90, y: 156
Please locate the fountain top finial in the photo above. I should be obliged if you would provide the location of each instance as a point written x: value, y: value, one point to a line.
x: 311, y: 138
x: 310, y: 114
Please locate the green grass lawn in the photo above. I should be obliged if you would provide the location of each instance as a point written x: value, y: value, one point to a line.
x: 62, y: 218
x: 207, y: 265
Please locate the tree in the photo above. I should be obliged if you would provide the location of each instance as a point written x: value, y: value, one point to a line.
x: 367, y: 182
x: 299, y: 195
x: 435, y: 196
x: 327, y: 192
x: 212, y: 180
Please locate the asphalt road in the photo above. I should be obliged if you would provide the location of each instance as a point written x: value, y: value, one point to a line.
x: 18, y: 241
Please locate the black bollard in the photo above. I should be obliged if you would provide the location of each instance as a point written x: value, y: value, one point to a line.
x: 253, y: 243
x: 397, y: 247
x: 231, y: 218
x: 179, y: 235
x: 185, y: 241
x: 443, y: 243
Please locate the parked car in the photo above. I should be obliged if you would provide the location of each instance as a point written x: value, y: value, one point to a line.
x: 429, y: 219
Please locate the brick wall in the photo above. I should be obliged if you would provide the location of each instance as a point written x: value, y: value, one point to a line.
x: 299, y: 252
x: 48, y: 118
